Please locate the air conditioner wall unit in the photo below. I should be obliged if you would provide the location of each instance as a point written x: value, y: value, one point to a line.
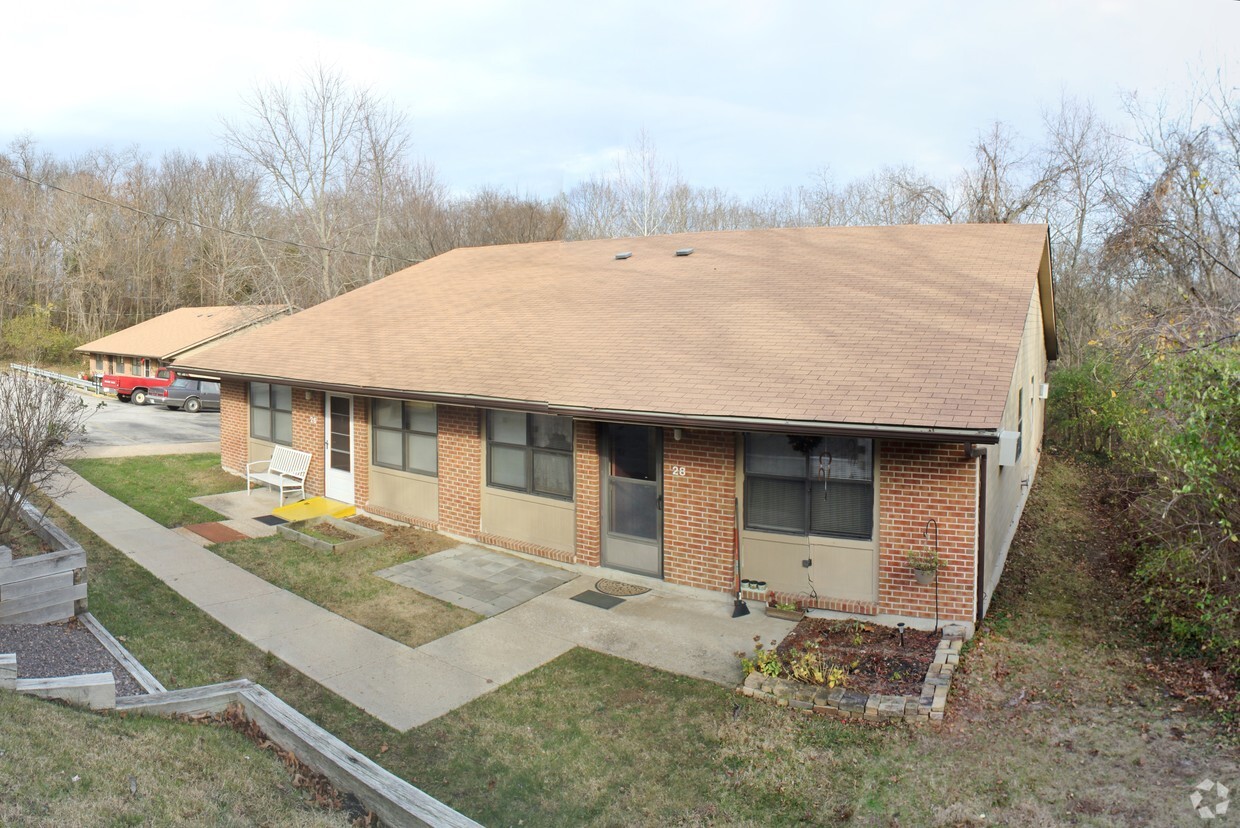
x: 1044, y: 391
x: 1009, y: 443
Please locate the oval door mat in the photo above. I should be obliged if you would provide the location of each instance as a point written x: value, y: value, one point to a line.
x: 618, y: 588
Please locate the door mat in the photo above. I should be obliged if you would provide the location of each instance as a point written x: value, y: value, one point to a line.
x: 609, y: 587
x: 597, y: 599
x: 216, y: 532
x: 271, y: 520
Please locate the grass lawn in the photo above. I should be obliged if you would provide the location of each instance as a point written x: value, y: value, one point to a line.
x: 1053, y: 718
x: 345, y: 583
x: 161, y: 487
x: 60, y: 766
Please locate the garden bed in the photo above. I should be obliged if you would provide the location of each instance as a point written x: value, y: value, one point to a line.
x: 329, y: 534
x: 871, y: 655
x: 826, y: 667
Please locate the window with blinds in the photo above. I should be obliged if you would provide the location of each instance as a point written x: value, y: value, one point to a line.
x: 530, y: 453
x: 809, y: 485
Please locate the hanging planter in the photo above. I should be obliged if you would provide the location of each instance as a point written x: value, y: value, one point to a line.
x: 925, y: 566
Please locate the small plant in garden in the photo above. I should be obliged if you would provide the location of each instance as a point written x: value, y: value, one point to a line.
x: 856, y: 630
x: 764, y: 661
x: 788, y: 606
x: 803, y: 664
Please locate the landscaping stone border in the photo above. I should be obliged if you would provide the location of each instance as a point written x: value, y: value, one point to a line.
x: 362, y: 535
x: 848, y: 704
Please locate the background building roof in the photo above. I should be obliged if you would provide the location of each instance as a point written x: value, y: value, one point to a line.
x: 176, y: 332
x: 899, y: 326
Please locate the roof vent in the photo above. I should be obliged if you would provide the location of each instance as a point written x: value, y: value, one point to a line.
x: 624, y: 255
x: 684, y: 251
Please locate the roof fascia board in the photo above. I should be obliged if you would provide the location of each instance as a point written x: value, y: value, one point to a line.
x: 1046, y: 294
x: 722, y: 423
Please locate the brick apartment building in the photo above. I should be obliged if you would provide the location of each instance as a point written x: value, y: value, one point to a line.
x: 141, y: 350
x: 814, y: 401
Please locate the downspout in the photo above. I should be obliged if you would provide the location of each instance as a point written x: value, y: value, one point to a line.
x: 981, y: 538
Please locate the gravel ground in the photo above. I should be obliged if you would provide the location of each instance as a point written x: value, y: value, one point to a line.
x: 64, y: 649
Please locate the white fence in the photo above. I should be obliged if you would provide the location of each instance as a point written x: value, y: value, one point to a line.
x: 88, y: 385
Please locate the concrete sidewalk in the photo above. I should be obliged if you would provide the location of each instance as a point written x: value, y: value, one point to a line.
x: 401, y: 686
x: 406, y: 687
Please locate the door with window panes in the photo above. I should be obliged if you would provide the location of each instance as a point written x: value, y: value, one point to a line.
x: 633, y: 499
x: 338, y: 475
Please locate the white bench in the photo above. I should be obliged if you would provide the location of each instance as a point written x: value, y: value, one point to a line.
x: 285, y: 471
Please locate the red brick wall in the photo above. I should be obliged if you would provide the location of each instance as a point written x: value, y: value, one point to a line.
x: 308, y: 435
x: 460, y: 470
x: 234, y: 426
x: 586, y: 492
x: 361, y: 450
x: 919, y: 481
x: 699, y: 509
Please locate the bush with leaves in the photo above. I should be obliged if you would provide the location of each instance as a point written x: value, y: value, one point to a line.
x: 1184, y: 447
x: 31, y: 337
x: 1088, y: 406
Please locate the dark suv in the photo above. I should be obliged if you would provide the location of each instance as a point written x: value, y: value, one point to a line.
x: 191, y: 394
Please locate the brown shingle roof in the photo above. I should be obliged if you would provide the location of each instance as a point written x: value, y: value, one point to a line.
x: 175, y: 332
x: 903, y: 326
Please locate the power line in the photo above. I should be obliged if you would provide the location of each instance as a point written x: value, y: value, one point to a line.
x: 200, y: 226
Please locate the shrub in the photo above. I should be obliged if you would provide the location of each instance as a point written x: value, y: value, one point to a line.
x: 31, y: 337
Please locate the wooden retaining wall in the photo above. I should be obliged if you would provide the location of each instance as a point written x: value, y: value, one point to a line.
x: 47, y: 587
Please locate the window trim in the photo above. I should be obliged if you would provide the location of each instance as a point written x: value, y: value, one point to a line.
x: 271, y: 411
x: 530, y: 452
x: 404, y: 444
x: 808, y: 482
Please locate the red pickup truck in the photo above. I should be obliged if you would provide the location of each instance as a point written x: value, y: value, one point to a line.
x: 127, y: 387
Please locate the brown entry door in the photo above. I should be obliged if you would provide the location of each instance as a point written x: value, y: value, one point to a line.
x: 633, y: 500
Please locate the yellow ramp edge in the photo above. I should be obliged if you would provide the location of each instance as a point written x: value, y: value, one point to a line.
x: 314, y: 507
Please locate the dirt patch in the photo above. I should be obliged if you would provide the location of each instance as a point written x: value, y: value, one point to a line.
x: 415, y: 540
x: 327, y: 532
x: 871, y: 655
x: 25, y: 543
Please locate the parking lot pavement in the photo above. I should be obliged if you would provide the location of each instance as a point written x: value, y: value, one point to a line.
x: 118, y: 428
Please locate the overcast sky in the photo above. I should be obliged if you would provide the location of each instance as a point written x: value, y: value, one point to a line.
x: 751, y: 96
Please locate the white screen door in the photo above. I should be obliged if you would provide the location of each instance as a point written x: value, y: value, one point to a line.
x: 338, y: 446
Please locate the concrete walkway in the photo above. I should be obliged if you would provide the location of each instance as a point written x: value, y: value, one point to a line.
x: 406, y: 687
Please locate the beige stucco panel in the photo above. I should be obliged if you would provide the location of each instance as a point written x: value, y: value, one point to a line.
x: 538, y: 520
x: 1007, y: 487
x: 260, y: 450
x: 843, y: 569
x: 840, y: 569
x: 415, y: 495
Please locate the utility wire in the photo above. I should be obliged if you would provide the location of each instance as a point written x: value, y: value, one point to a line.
x: 200, y: 226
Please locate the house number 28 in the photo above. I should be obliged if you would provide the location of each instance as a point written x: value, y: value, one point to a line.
x: 678, y: 471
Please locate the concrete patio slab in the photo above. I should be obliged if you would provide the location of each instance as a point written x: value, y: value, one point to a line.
x: 480, y: 580
x: 237, y: 505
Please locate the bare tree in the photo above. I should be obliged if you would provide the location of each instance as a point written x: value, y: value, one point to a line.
x: 327, y: 154
x: 41, y: 424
